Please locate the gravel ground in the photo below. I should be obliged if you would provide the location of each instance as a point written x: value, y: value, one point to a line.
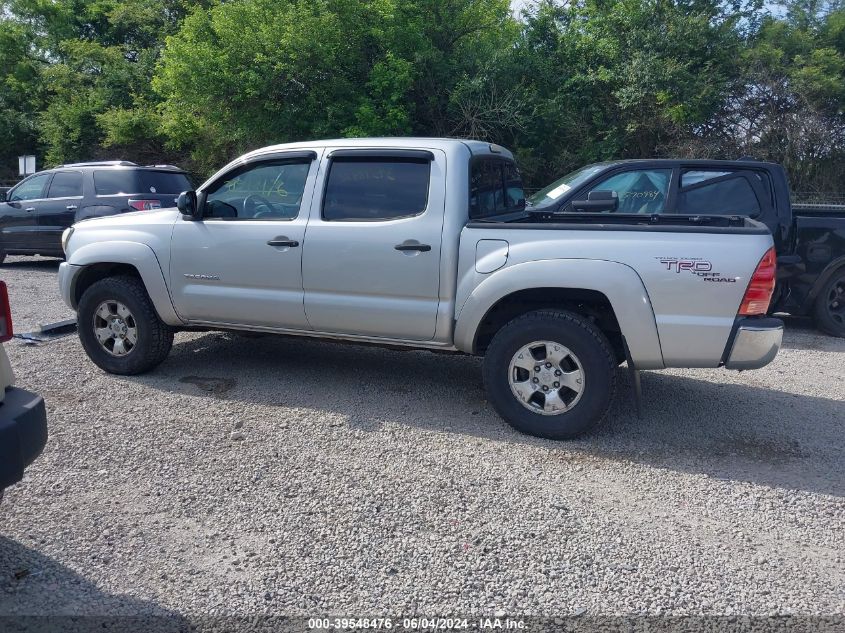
x: 285, y: 476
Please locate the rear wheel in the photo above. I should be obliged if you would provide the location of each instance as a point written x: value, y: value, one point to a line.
x: 550, y: 373
x: 830, y: 305
x: 119, y: 327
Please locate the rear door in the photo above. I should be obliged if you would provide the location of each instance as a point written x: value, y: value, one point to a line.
x: 371, y: 263
x: 58, y: 211
x: 18, y: 228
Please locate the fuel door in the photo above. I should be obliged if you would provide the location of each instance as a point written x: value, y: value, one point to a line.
x: 490, y: 255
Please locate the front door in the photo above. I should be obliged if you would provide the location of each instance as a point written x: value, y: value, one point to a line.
x: 371, y: 264
x: 18, y: 226
x: 241, y: 264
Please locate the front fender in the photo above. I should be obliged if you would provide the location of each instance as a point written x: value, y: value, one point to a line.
x: 619, y: 283
x: 139, y: 256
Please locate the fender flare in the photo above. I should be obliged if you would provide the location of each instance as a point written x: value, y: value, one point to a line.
x: 139, y: 256
x: 618, y: 282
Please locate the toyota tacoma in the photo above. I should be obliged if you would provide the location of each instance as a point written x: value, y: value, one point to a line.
x: 429, y: 244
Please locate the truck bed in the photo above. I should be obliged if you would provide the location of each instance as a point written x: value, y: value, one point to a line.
x: 819, y: 210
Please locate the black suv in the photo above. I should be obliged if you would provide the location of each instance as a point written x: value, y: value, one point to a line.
x: 35, y: 212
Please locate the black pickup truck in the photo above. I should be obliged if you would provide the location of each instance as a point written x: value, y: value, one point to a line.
x: 810, y: 240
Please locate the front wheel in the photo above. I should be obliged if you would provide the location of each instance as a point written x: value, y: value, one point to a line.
x: 119, y: 327
x: 830, y: 305
x: 550, y: 373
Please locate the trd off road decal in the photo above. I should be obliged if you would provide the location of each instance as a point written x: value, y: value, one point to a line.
x: 695, y: 266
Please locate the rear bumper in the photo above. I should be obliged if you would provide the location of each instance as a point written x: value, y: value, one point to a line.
x: 23, y: 433
x: 755, y: 344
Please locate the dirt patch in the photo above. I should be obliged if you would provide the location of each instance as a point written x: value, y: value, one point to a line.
x: 216, y: 386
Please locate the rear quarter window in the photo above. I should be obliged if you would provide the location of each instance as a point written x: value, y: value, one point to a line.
x: 126, y: 181
x: 495, y: 187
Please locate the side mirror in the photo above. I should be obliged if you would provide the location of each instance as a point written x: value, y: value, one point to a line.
x: 597, y: 201
x: 3, y: 196
x: 187, y: 204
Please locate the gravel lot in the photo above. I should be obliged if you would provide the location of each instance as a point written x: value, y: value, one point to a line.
x: 269, y: 475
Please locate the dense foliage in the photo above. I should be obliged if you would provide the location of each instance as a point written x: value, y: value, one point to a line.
x: 564, y: 83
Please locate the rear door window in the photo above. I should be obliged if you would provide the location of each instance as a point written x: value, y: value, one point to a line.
x: 371, y: 189
x: 66, y: 184
x: 495, y: 188
x: 720, y: 193
x: 110, y: 182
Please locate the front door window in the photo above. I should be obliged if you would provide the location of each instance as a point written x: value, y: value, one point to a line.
x: 641, y: 191
x: 267, y: 191
x: 30, y: 189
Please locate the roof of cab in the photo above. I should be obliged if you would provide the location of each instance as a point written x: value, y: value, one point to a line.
x: 691, y: 162
x: 475, y: 147
x: 448, y: 145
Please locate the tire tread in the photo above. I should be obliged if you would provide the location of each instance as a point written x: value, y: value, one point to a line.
x: 160, y: 335
x: 543, y: 317
x: 821, y: 318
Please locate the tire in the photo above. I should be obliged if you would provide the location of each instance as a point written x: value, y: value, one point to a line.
x: 587, y: 348
x: 152, y: 338
x: 829, y: 309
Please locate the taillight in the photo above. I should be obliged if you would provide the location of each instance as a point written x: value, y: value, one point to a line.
x: 5, y: 314
x: 144, y: 205
x: 761, y: 287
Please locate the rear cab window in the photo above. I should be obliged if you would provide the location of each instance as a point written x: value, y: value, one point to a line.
x: 375, y: 188
x: 495, y: 188
x: 110, y: 182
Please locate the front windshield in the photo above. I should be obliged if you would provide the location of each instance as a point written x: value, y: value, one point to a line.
x: 570, y: 181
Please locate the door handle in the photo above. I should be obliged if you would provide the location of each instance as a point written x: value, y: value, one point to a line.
x: 281, y: 242
x: 71, y: 207
x: 423, y: 248
x: 30, y: 209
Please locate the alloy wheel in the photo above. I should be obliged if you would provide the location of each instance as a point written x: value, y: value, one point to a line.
x: 546, y: 377
x: 115, y: 328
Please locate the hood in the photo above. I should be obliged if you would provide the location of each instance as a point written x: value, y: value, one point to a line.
x: 135, y: 218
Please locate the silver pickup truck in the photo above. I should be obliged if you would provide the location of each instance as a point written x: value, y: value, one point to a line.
x: 428, y: 243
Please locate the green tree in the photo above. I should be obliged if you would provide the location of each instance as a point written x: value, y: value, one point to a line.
x: 93, y: 63
x: 621, y: 79
x: 787, y: 106
x: 318, y: 68
x: 20, y: 96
